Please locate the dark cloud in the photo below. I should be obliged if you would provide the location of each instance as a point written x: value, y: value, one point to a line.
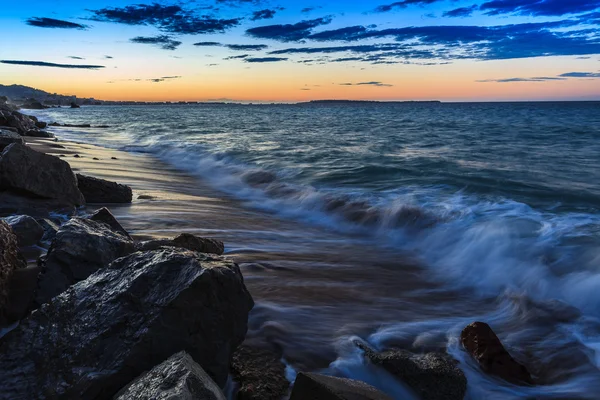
x: 289, y: 32
x: 236, y: 47
x: 263, y: 14
x: 161, y: 79
x: 309, y: 9
x: 241, y: 56
x: 76, y: 58
x: 54, y: 23
x: 109, y: 57
x: 265, y: 59
x: 168, y: 18
x: 373, y: 83
x: 208, y: 44
x: 535, y: 79
x: 367, y: 48
x: 163, y: 41
x: 539, y: 7
x: 47, y: 64
x: 404, y: 4
x: 581, y: 75
x: 461, y: 12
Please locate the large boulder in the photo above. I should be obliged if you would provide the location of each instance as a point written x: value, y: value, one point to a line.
x: 259, y: 373
x: 8, y: 137
x: 185, y: 241
x: 27, y: 229
x: 39, y: 175
x: 80, y: 248
x: 179, y: 377
x: 11, y: 118
x: 10, y: 261
x: 105, y: 331
x: 481, y: 342
x: 96, y: 190
x: 432, y: 376
x: 310, y: 386
x: 33, y: 105
x: 105, y: 216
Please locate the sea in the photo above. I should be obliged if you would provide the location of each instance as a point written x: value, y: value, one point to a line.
x: 433, y: 216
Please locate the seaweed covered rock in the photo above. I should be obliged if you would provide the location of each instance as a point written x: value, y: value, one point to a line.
x: 40, y: 175
x: 80, y: 248
x: 96, y: 190
x: 10, y: 261
x: 185, y: 241
x: 310, y: 386
x: 179, y: 377
x: 102, y: 333
x: 482, y: 343
x: 259, y: 373
x: 432, y: 376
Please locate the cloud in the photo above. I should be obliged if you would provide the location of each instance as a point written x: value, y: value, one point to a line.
x: 236, y: 47
x: 373, y: 83
x: 54, y: 23
x: 168, y: 18
x: 241, y: 56
x: 309, y: 9
x: 165, y: 42
x: 581, y: 75
x: 535, y: 79
x: 539, y: 7
x: 404, y: 4
x: 47, y: 64
x: 76, y: 58
x: 265, y: 59
x: 161, y: 79
x: 288, y: 32
x: 461, y: 12
x: 263, y: 14
x: 208, y: 44
x: 109, y: 57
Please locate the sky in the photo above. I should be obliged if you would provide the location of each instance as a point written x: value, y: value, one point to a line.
x: 288, y: 51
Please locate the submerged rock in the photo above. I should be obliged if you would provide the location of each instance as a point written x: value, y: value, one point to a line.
x: 80, y: 248
x: 482, y: 343
x: 321, y: 387
x: 102, y: 333
x: 27, y: 229
x: 185, y: 241
x: 105, y: 216
x: 97, y: 190
x: 179, y: 377
x: 38, y: 174
x: 10, y: 261
x: 432, y: 376
x: 259, y: 373
x: 8, y: 137
x: 74, y: 105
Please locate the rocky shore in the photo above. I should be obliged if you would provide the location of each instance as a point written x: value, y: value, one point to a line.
x: 101, y: 313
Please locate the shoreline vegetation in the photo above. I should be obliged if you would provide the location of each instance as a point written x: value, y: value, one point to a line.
x: 89, y: 310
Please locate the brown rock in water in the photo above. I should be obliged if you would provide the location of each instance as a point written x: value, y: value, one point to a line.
x: 178, y: 378
x: 80, y: 248
x: 105, y: 331
x: 38, y: 174
x: 321, y: 387
x: 259, y: 373
x: 432, y: 376
x: 10, y: 261
x: 482, y: 343
x: 105, y: 216
x: 97, y: 190
x: 185, y: 241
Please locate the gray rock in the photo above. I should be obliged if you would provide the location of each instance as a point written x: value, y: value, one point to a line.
x: 39, y: 134
x: 310, y: 386
x: 50, y: 229
x: 97, y: 190
x: 105, y: 331
x: 10, y: 117
x: 8, y: 137
x: 38, y: 174
x: 185, y: 241
x: 105, y: 216
x: 179, y: 377
x: 27, y: 229
x: 432, y: 376
x: 10, y: 261
x: 41, y: 124
x: 80, y: 248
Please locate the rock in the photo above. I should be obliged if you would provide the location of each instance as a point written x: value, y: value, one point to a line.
x: 53, y: 124
x: 3, y: 99
x: 96, y: 159
x: 50, y: 229
x: 482, y: 343
x: 27, y: 229
x: 97, y: 190
x: 8, y: 137
x: 21, y: 291
x: 10, y: 261
x: 38, y: 133
x: 432, y: 376
x: 33, y: 105
x: 259, y: 373
x: 105, y: 216
x: 10, y: 128
x: 80, y: 248
x: 38, y: 174
x: 184, y: 241
x: 103, y: 332
x: 114, y: 158
x: 77, y: 156
x: 320, y: 387
x: 74, y: 105
x: 15, y: 202
x: 11, y: 118
x: 41, y: 124
x: 179, y: 377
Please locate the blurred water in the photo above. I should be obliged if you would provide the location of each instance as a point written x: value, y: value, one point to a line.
x: 497, y: 202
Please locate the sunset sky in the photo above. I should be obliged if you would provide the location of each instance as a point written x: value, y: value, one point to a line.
x: 254, y: 50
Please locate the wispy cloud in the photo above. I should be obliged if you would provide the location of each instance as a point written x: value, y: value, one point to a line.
x: 76, y: 58
x: 288, y: 32
x: 236, y: 47
x: 53, y: 65
x: 264, y: 59
x: 165, y: 42
x: 263, y: 14
x: 539, y: 7
x: 373, y: 83
x: 581, y: 75
x: 54, y: 23
x: 404, y: 4
x: 461, y: 12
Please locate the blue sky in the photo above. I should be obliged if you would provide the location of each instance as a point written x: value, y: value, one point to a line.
x: 282, y: 50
